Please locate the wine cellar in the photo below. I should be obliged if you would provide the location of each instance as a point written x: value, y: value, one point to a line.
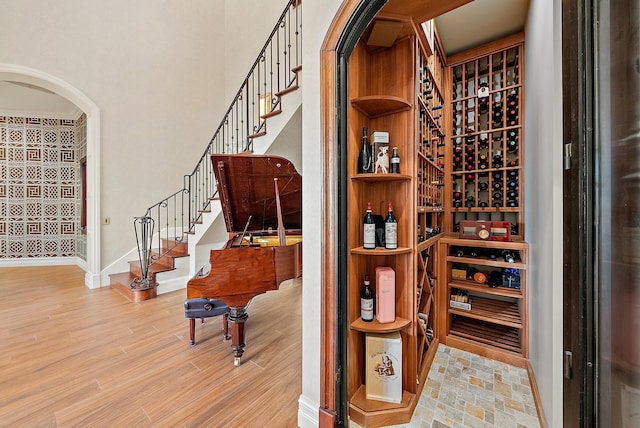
x: 459, y: 268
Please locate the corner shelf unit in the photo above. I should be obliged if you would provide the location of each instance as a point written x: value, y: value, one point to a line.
x: 496, y: 323
x: 397, y: 89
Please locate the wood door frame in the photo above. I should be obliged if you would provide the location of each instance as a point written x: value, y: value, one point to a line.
x: 578, y: 240
x: 335, y: 50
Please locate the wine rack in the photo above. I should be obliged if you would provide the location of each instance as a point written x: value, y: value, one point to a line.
x: 493, y: 322
x: 486, y: 142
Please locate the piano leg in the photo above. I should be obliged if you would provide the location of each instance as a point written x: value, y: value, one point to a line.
x: 237, y: 316
x: 225, y: 327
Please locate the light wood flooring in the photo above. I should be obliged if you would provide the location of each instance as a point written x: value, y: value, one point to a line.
x: 71, y: 356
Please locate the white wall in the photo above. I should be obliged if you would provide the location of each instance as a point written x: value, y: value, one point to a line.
x: 151, y: 69
x: 157, y: 71
x: 318, y: 15
x: 543, y: 199
x: 251, y: 22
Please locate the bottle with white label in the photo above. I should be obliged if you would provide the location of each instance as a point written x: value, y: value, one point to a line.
x: 369, y: 240
x: 366, y: 301
x: 390, y: 230
x: 395, y: 161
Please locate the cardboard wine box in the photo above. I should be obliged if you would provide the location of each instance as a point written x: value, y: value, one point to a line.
x: 384, y: 367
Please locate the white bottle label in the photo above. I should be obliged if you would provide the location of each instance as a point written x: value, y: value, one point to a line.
x: 366, y: 309
x: 395, y: 160
x: 369, y: 241
x: 391, y: 236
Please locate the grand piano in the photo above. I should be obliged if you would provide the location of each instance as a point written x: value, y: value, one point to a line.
x: 261, y: 198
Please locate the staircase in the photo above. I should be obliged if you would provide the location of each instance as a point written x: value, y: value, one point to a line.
x: 175, y: 224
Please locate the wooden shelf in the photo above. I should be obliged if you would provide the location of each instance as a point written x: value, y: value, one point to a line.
x: 380, y: 177
x: 375, y: 327
x: 360, y: 402
x: 485, y: 261
x: 428, y: 243
x: 492, y: 311
x: 483, y: 288
x: 379, y: 251
x: 428, y: 209
x: 374, y: 106
x: 499, y: 336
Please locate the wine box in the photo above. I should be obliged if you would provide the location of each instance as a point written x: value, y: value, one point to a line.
x: 384, y: 367
x: 381, y: 157
x: 379, y: 137
x: 459, y: 305
x: 385, y: 295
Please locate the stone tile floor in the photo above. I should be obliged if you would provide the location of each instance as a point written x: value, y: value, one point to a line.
x: 467, y: 390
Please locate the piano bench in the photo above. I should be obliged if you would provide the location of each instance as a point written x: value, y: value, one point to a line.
x: 202, y: 308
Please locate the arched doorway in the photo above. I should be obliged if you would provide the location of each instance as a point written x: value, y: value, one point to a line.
x: 15, y: 73
x: 347, y: 27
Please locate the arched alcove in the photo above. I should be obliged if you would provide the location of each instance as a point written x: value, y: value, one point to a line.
x: 15, y: 73
x: 347, y: 27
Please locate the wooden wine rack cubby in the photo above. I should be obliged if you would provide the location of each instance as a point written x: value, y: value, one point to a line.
x: 485, y: 160
x: 496, y: 324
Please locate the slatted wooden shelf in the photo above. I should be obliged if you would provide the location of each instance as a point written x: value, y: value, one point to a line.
x: 499, y: 336
x: 486, y: 261
x: 493, y: 311
x: 484, y: 288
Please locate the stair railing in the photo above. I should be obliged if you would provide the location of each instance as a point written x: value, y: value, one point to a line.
x: 273, y: 72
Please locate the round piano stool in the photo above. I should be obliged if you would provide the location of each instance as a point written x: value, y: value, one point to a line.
x: 205, y: 308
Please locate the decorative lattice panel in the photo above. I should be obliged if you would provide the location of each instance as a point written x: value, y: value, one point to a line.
x: 40, y: 187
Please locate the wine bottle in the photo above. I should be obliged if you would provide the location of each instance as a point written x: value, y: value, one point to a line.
x: 509, y: 256
x: 390, y: 230
x: 366, y: 301
x: 365, y: 162
x: 483, y: 185
x: 483, y: 96
x: 369, y: 240
x: 395, y: 161
x: 497, y: 159
x: 470, y: 203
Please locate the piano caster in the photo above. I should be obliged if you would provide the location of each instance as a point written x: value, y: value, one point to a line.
x: 236, y: 361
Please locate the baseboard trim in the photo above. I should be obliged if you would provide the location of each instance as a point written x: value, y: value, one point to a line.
x: 536, y: 396
x: 43, y: 261
x: 307, y: 413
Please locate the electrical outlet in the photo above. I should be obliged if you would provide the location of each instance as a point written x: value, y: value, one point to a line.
x: 107, y: 220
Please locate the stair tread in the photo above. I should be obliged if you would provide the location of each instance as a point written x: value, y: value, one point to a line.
x: 154, y: 268
x: 287, y: 90
x: 271, y: 114
x: 297, y: 69
x: 173, y: 253
x: 258, y: 134
x: 125, y: 278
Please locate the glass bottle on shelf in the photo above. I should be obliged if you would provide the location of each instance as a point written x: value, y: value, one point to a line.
x: 365, y: 159
x: 366, y: 301
x: 391, y: 230
x: 395, y: 161
x: 369, y: 236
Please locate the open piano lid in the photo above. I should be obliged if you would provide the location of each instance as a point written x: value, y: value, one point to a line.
x: 246, y: 188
